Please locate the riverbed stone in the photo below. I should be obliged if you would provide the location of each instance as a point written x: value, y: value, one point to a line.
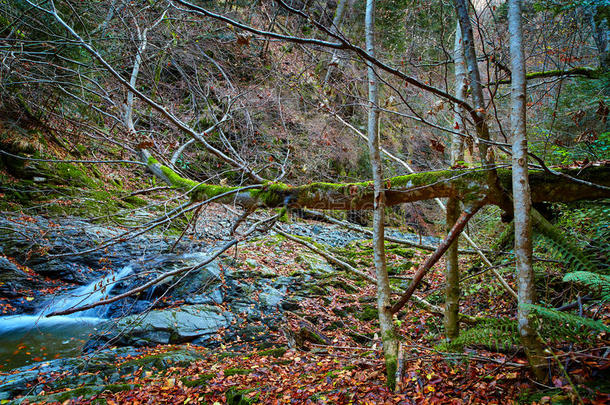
x: 172, y: 325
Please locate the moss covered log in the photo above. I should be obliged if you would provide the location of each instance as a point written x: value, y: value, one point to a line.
x: 466, y: 185
x: 586, y: 72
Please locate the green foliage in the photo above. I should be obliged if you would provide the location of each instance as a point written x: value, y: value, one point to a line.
x: 237, y: 371
x: 235, y: 396
x: 597, y: 283
x: 565, y: 323
x: 575, y: 128
x: 500, y: 333
x: 574, y: 257
x: 587, y: 225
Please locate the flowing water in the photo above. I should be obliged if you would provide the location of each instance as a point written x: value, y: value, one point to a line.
x: 29, y: 338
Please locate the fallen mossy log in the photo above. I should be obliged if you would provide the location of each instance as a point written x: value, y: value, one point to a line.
x: 465, y: 184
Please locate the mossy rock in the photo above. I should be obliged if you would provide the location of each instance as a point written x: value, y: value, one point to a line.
x: 282, y: 362
x: 114, y: 388
x: 224, y: 355
x: 316, y: 291
x: 178, y: 357
x: 401, y: 268
x: 61, y: 397
x: 314, y: 263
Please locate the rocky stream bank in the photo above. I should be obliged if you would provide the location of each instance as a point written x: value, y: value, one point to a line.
x: 233, y: 299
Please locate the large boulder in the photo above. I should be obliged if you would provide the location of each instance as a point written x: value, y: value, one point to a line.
x: 173, y: 325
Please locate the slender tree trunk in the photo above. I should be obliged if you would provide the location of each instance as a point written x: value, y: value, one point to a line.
x: 452, y: 271
x: 386, y: 323
x: 452, y: 276
x: 337, y: 20
x: 474, y: 76
x: 521, y: 195
x: 599, y: 16
x: 461, y: 85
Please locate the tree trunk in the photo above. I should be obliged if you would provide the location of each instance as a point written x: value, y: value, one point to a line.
x: 452, y: 276
x: 335, y: 60
x: 479, y: 114
x: 386, y: 322
x: 600, y: 23
x: 474, y: 76
x: 452, y: 271
x: 521, y: 196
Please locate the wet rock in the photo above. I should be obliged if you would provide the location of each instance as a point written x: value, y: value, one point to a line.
x: 173, y: 325
x: 13, y: 280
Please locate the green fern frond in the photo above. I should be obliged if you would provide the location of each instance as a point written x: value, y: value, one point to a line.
x: 597, y: 283
x: 572, y: 255
x: 501, y: 334
x: 566, y: 321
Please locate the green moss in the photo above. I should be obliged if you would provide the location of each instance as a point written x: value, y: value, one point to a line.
x: 340, y: 284
x: 199, y: 191
x: 69, y: 174
x: 176, y: 180
x: 316, y: 290
x: 236, y: 396
x: 85, y: 392
x: 176, y: 357
x: 224, y: 355
x: 237, y: 371
x: 391, y: 365
x: 275, y: 352
x: 114, y: 388
x: 272, y: 194
x: 136, y: 201
x: 201, y: 380
x: 400, y: 251
x: 368, y: 313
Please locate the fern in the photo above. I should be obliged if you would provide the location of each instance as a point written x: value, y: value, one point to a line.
x: 572, y: 255
x: 565, y: 322
x: 597, y: 283
x: 501, y: 334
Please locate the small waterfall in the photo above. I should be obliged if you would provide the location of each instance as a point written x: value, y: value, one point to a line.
x: 80, y: 296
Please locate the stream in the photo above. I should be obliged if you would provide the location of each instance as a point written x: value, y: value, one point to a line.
x: 37, y: 337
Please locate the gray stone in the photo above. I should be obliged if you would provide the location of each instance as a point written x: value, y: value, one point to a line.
x: 272, y: 297
x: 174, y: 325
x: 314, y: 262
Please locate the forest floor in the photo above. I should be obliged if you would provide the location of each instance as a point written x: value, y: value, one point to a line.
x: 343, y: 363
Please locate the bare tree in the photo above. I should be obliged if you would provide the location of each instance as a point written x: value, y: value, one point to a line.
x: 452, y: 272
x: 384, y: 307
x: 521, y: 194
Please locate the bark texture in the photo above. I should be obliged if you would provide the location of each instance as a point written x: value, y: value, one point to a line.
x: 452, y: 271
x: 600, y: 22
x: 521, y: 196
x: 386, y: 322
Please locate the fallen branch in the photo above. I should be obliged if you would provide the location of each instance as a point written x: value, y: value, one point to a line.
x: 340, y: 263
x: 442, y: 206
x: 467, y: 214
x: 163, y: 276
